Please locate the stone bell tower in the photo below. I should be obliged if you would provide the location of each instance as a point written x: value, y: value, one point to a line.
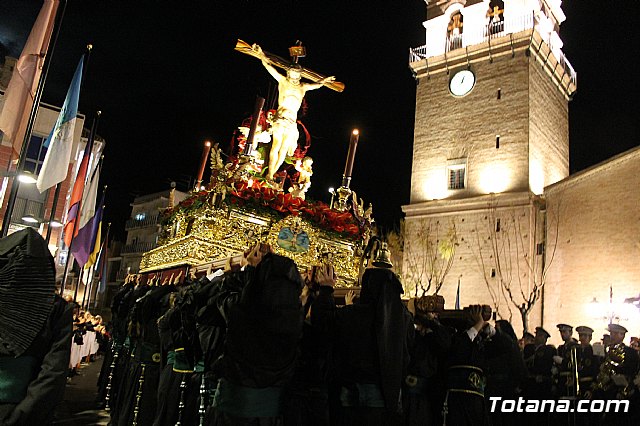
x: 491, y: 128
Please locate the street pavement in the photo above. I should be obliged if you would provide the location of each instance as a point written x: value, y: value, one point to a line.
x: 79, y: 406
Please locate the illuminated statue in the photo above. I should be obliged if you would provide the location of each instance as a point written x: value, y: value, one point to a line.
x: 291, y: 91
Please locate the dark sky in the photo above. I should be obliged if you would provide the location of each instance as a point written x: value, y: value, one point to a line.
x: 166, y: 77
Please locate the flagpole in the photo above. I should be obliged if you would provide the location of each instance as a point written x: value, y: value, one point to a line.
x: 94, y: 262
x: 56, y: 195
x: 84, y: 293
x: 103, y: 267
x: 90, y: 287
x: 94, y: 126
x: 15, y: 185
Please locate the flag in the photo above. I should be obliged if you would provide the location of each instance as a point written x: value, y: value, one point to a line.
x: 97, y: 246
x: 90, y: 194
x: 458, y: 295
x: 73, y: 214
x: 59, y: 144
x: 21, y: 92
x: 85, y: 240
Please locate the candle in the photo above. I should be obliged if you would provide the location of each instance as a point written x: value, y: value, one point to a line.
x: 351, y: 155
x: 203, y: 162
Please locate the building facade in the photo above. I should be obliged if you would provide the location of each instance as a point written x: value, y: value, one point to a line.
x: 143, y: 229
x: 33, y: 208
x: 491, y: 133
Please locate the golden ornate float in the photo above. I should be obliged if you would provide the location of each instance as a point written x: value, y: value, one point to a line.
x: 235, y: 211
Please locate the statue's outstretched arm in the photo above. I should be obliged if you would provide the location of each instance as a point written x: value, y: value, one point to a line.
x: 314, y: 86
x: 265, y: 63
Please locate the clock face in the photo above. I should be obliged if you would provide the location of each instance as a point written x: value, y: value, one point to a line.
x: 462, y: 82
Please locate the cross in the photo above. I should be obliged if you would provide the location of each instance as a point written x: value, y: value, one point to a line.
x: 297, y: 51
x: 496, y: 11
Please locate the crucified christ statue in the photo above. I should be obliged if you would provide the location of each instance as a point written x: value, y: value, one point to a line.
x: 291, y: 90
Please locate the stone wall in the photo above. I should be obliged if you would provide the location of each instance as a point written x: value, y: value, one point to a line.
x: 598, y: 245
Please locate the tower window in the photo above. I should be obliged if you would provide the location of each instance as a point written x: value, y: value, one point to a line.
x: 497, y: 225
x: 456, y: 175
x: 499, y: 93
x: 496, y: 17
x: 454, y: 31
x: 497, y: 141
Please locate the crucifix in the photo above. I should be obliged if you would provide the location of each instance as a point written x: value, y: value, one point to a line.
x: 291, y: 91
x: 495, y: 13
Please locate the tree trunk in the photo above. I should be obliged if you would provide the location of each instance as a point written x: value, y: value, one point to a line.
x: 524, y: 315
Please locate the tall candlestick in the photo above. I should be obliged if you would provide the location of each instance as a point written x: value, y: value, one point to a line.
x: 203, y: 162
x: 351, y: 155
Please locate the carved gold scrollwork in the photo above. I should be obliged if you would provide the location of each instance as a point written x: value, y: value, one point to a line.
x: 219, y: 233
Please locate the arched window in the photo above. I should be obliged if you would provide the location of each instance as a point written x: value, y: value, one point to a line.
x: 496, y: 17
x: 454, y: 31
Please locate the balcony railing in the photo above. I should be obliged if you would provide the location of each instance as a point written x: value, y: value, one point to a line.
x: 487, y: 33
x: 140, y: 247
x: 141, y: 223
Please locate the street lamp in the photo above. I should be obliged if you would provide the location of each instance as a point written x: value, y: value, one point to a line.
x: 610, y: 312
x: 332, y: 191
x: 29, y: 218
x: 23, y: 177
x: 27, y: 177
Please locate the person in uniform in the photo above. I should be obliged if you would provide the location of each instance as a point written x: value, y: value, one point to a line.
x: 588, y: 363
x: 538, y: 358
x: 616, y: 376
x: 527, y: 339
x: 564, y: 367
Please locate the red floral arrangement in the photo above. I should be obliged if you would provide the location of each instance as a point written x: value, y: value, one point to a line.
x: 267, y: 200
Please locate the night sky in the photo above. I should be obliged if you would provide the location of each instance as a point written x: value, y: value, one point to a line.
x: 166, y: 78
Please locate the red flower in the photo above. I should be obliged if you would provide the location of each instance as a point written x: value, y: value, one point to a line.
x: 352, y: 229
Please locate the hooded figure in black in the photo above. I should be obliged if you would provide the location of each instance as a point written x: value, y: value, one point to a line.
x: 261, y: 345
x: 370, y: 350
x: 35, y: 332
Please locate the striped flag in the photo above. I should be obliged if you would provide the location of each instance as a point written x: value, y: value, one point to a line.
x: 85, y: 240
x: 59, y: 144
x: 97, y: 245
x: 21, y: 92
x: 73, y: 214
x: 90, y: 192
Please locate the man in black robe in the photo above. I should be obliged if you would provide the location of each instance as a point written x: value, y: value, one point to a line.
x: 261, y: 346
x: 371, y: 341
x: 466, y: 379
x: 35, y: 332
x: 424, y: 386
